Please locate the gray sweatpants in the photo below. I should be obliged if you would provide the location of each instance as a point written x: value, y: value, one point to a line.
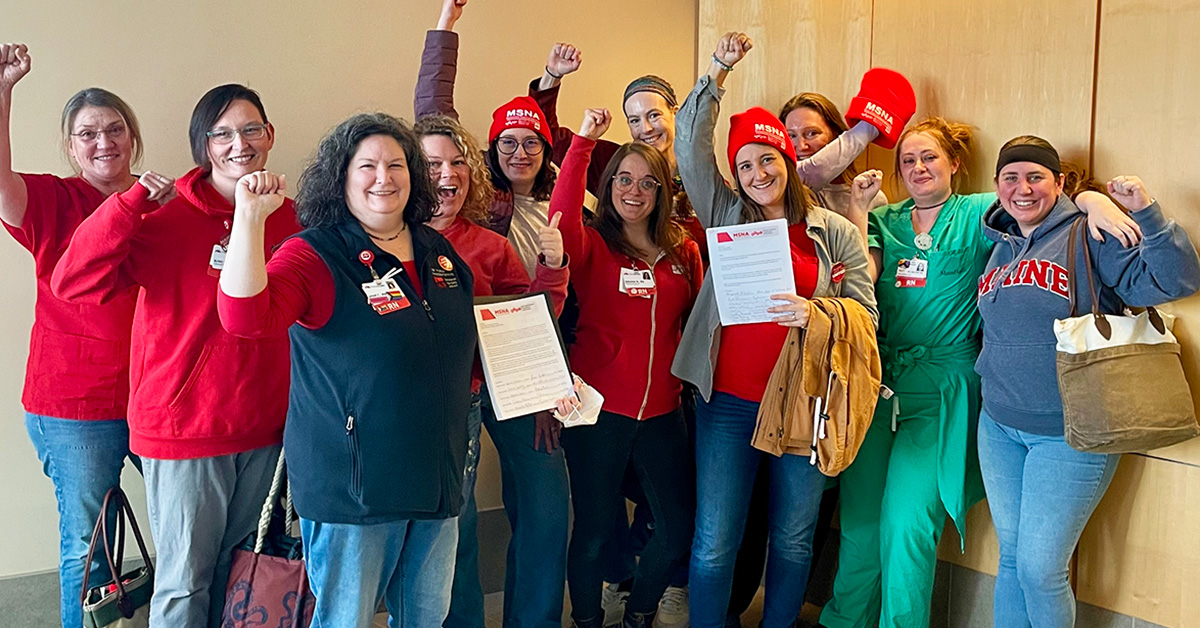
x: 200, y: 509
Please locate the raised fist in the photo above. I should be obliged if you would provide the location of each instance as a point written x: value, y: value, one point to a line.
x: 161, y: 188
x: 864, y: 188
x: 732, y: 47
x: 595, y: 123
x: 1130, y: 192
x: 14, y: 64
x: 564, y: 59
x: 259, y: 194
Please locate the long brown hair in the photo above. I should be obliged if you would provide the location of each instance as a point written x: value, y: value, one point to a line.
x: 829, y: 113
x: 797, y: 198
x: 666, y: 233
x: 956, y: 139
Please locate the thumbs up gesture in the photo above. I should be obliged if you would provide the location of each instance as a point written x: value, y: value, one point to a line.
x: 551, y: 242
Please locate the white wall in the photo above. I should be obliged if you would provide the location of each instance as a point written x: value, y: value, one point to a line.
x: 314, y: 64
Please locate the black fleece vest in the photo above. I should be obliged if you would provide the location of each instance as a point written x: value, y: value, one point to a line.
x: 376, y: 427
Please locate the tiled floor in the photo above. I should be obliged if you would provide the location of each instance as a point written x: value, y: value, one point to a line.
x: 493, y: 607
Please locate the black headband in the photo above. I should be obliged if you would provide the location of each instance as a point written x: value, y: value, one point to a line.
x: 1032, y: 153
x: 651, y: 83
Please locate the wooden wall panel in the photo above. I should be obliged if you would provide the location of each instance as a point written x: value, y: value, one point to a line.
x: 1147, y: 89
x: 982, y: 551
x: 1007, y: 68
x: 800, y: 45
x: 1140, y: 554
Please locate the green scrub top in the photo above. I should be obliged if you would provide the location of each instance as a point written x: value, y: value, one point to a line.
x: 929, y: 336
x: 943, y: 312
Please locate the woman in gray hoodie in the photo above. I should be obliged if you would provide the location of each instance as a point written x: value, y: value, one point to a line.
x: 1040, y: 490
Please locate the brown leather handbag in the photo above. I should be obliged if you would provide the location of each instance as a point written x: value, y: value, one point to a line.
x: 124, y: 603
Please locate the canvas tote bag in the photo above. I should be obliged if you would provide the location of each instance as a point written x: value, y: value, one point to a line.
x: 1120, y: 376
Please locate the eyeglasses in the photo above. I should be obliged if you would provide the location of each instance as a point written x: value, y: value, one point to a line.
x: 91, y: 136
x: 508, y: 146
x: 625, y: 183
x: 225, y: 135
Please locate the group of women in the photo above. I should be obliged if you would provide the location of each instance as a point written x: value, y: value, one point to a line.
x: 207, y: 325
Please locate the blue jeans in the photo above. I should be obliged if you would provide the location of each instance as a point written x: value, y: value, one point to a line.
x: 83, y: 459
x: 536, y: 501
x: 726, y: 466
x: 1041, y: 493
x: 408, y: 563
x: 466, y: 597
x: 200, y: 509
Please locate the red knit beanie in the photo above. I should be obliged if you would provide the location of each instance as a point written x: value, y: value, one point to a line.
x: 758, y: 126
x: 521, y: 112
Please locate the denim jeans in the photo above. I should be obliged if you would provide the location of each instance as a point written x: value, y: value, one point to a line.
x: 726, y: 465
x: 466, y: 597
x: 200, y: 509
x: 536, y: 501
x: 1041, y: 493
x: 409, y: 564
x: 598, y: 457
x: 83, y: 459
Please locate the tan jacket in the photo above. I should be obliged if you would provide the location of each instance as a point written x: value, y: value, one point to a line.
x: 834, y: 363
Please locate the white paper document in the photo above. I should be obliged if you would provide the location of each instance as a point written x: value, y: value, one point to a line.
x: 523, y: 358
x: 750, y: 262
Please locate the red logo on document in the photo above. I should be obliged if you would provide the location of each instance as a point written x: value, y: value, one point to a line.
x: 486, y: 315
x: 723, y: 237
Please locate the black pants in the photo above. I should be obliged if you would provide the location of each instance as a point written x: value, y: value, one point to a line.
x: 598, y: 456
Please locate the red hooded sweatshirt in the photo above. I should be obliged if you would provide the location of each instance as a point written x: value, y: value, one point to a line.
x: 624, y: 344
x: 196, y: 390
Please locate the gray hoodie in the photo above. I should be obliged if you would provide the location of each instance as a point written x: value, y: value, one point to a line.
x: 836, y: 239
x: 1024, y: 289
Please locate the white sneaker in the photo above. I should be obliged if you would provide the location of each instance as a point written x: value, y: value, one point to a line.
x: 673, y: 609
x: 612, y: 602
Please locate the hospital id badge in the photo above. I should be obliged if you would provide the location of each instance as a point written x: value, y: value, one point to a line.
x: 385, y: 295
x: 911, y: 273
x: 216, y: 261
x: 638, y: 283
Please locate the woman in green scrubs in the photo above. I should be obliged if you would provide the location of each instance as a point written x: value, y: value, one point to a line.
x: 919, y: 462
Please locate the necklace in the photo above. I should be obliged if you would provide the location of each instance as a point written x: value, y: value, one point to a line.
x: 379, y: 239
x: 918, y: 208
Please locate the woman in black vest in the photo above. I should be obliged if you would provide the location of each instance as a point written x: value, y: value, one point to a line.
x: 378, y: 307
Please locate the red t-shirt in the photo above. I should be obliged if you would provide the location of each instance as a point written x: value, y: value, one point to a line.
x: 78, y: 364
x: 748, y: 352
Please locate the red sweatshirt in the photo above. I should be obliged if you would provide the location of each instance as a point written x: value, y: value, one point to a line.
x: 197, y: 391
x: 78, y: 364
x: 624, y: 344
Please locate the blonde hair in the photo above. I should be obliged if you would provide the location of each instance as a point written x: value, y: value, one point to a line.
x: 480, y: 196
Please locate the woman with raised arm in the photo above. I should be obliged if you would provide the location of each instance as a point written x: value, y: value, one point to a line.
x: 464, y: 193
x: 730, y: 365
x: 378, y: 308
x: 533, y: 471
x: 1041, y: 492
x: 637, y: 275
x: 206, y: 410
x: 918, y: 461
x: 77, y: 376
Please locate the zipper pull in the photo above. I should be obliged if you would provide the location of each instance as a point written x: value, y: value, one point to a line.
x: 350, y: 423
x: 428, y: 310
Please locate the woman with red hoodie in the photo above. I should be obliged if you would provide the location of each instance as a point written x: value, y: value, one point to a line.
x: 636, y: 274
x: 206, y: 410
x: 77, y: 377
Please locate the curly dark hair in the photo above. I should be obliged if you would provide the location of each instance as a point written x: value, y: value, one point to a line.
x: 321, y: 199
x: 543, y: 183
